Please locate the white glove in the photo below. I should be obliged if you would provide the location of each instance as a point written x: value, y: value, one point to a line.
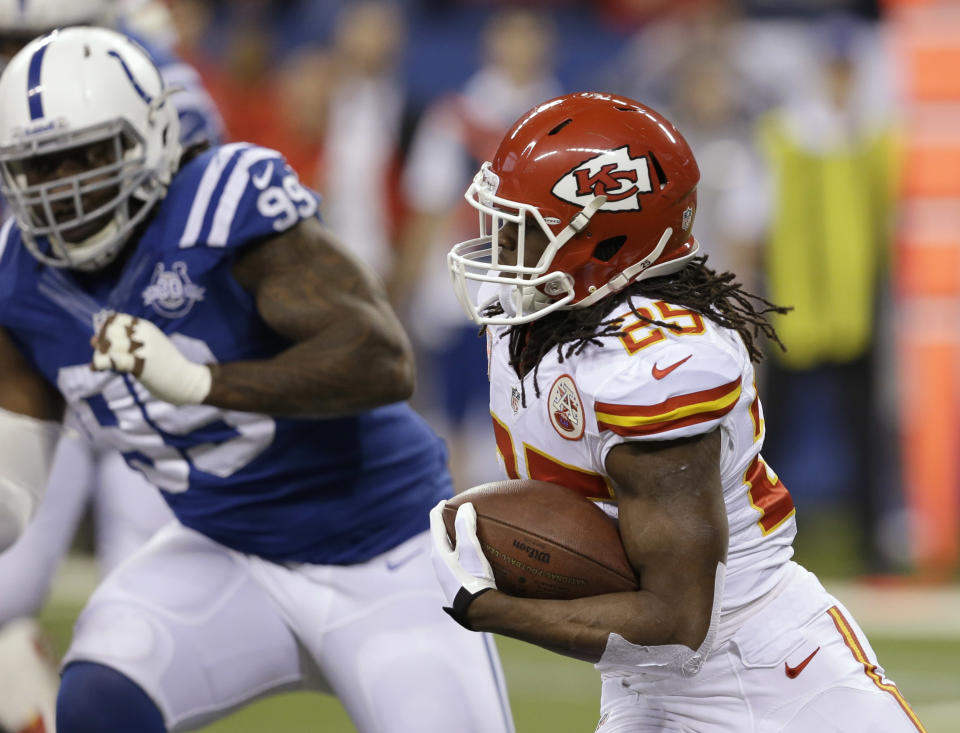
x: 463, y: 570
x: 136, y: 346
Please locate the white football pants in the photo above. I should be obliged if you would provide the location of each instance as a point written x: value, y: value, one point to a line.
x: 203, y: 629
x: 798, y: 664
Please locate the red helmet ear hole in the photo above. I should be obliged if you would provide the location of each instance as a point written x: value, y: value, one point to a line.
x: 605, y: 250
x: 661, y: 176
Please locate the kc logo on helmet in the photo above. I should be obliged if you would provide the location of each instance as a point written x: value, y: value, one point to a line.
x: 612, y: 173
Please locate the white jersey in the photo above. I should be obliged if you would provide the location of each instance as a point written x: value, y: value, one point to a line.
x: 652, y: 383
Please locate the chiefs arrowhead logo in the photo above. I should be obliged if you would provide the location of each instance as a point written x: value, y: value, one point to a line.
x: 566, y: 408
x: 612, y: 173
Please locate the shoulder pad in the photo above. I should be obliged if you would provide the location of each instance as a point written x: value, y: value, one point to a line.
x: 238, y: 193
x: 677, y: 388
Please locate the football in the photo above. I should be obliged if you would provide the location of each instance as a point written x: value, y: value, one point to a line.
x: 545, y: 540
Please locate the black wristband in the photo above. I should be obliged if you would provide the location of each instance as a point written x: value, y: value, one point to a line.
x: 462, y: 601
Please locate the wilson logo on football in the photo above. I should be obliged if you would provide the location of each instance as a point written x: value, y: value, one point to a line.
x: 566, y: 409
x: 532, y: 552
x: 613, y: 173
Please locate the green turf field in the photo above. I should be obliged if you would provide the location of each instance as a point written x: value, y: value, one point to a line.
x: 551, y: 694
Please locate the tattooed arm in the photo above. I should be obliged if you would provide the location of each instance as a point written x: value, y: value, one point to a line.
x: 350, y: 352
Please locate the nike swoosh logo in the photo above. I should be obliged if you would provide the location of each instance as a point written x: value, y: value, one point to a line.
x: 263, y: 179
x: 659, y: 373
x: 793, y: 672
x: 401, y: 561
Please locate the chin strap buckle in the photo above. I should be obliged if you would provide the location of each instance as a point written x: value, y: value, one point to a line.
x: 580, y: 221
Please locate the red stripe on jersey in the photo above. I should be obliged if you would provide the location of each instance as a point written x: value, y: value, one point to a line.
x: 666, y: 425
x: 674, y: 403
x: 505, y: 447
x: 768, y: 496
x: 676, y: 412
x: 542, y: 467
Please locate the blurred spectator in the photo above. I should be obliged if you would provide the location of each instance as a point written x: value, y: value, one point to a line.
x: 191, y: 20
x: 362, y: 124
x: 302, y: 86
x: 246, y: 83
x: 458, y: 133
x: 334, y: 109
x: 712, y: 109
x: 693, y: 71
x: 242, y: 82
x: 831, y: 154
x: 150, y: 19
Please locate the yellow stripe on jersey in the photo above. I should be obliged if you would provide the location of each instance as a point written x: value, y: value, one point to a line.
x: 676, y: 412
x: 853, y: 643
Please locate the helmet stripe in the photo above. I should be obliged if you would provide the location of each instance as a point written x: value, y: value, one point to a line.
x: 143, y: 95
x: 34, y: 87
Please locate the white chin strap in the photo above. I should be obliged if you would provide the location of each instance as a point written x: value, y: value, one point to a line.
x: 514, y: 300
x: 579, y: 222
x: 96, y: 242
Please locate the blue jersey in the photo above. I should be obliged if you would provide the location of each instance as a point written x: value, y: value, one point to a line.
x: 338, y: 490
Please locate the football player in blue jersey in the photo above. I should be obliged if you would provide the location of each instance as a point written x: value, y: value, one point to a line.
x: 190, y: 308
x: 126, y: 510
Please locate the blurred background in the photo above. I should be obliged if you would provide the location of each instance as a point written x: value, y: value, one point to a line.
x: 828, y: 137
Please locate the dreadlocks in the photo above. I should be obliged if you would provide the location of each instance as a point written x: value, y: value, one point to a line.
x: 717, y: 296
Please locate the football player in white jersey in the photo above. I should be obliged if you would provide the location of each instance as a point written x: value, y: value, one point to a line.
x: 621, y: 366
x: 190, y: 308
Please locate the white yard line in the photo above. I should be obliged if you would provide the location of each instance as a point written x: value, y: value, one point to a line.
x: 902, y: 611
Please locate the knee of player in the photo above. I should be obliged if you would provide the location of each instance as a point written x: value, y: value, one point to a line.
x: 94, y: 698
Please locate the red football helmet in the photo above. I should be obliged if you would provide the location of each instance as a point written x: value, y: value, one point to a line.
x: 610, y: 182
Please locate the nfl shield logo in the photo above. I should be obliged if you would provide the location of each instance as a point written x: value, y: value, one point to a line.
x: 515, y: 400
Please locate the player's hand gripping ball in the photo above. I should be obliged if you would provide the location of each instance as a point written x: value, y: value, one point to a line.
x: 545, y: 541
x: 133, y: 345
x: 460, y: 565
